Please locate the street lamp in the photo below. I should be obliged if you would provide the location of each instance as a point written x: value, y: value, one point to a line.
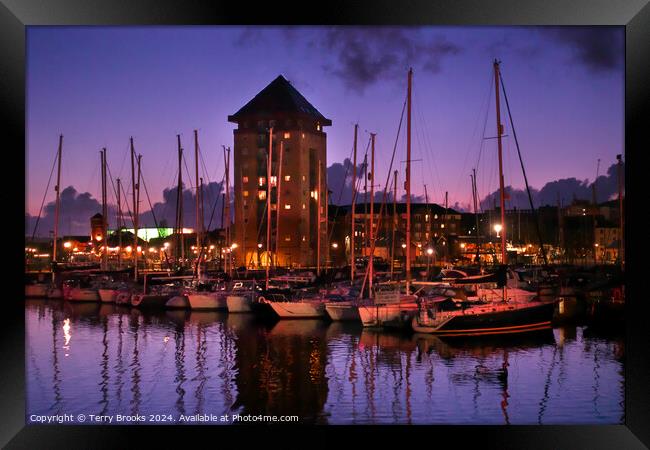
x: 498, y: 229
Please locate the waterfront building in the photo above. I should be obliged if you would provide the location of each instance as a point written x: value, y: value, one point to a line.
x: 298, y: 128
x: 432, y: 227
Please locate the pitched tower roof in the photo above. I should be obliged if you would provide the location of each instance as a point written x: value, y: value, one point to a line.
x: 279, y: 97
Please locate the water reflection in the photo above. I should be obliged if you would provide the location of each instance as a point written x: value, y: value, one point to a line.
x: 107, y: 359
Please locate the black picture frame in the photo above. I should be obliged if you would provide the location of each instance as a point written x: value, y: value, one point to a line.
x: 15, y: 15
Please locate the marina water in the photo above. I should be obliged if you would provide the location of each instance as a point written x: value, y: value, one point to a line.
x: 103, y: 359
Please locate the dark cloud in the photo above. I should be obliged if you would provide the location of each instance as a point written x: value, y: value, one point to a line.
x: 212, y: 205
x: 361, y: 56
x: 249, y: 36
x: 566, y: 189
x: 75, y: 213
x: 342, y: 191
x: 598, y: 48
x: 77, y: 209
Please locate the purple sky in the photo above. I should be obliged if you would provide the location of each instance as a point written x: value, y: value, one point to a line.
x: 99, y: 85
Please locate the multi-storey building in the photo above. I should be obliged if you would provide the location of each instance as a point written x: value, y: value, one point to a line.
x: 432, y: 226
x: 299, y: 140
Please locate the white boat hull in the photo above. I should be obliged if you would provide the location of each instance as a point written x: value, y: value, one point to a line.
x: 342, y: 311
x: 36, y: 290
x: 299, y: 309
x: 377, y: 315
x: 179, y: 301
x: 239, y: 304
x: 83, y: 295
x: 207, y: 301
x: 107, y: 295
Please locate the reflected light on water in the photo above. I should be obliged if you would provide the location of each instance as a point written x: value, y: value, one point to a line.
x: 133, y: 362
x: 66, y: 335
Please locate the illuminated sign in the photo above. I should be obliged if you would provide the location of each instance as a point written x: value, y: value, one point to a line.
x: 147, y: 234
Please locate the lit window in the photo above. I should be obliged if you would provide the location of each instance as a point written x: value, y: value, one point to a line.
x: 303, y: 135
x: 274, y: 180
x: 287, y: 178
x: 318, y: 126
x: 261, y: 181
x: 426, y: 217
x: 304, y: 238
x: 435, y: 216
x: 304, y: 206
x: 287, y: 238
x: 287, y: 135
x: 287, y: 206
x: 261, y: 195
x: 244, y: 179
x: 245, y: 193
x: 274, y: 206
x: 303, y: 178
x: 442, y: 225
x: 314, y: 195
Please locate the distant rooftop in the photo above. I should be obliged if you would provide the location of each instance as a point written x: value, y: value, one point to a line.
x: 279, y: 97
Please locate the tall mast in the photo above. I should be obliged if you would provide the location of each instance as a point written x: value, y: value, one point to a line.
x: 268, y: 206
x: 278, y: 205
x: 58, y: 203
x: 198, y: 204
x: 327, y: 223
x: 244, y: 225
x: 202, y: 221
x: 318, y: 196
x: 504, y: 259
x: 179, y: 199
x: 135, y: 213
x: 104, y: 211
x: 365, y: 204
x: 621, y: 251
x: 226, y: 155
x: 408, y: 184
x: 119, y: 223
x: 354, y: 194
x: 426, y: 199
x: 392, y: 241
x: 444, y: 223
x: 593, y: 186
x: 372, y: 211
x: 478, y: 244
x: 221, y: 249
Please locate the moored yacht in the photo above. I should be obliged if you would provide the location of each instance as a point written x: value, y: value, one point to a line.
x: 386, y: 307
x: 36, y: 290
x: 207, y: 300
x: 308, y: 308
x: 240, y: 299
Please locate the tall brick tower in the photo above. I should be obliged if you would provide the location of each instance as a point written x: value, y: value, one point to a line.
x: 299, y: 127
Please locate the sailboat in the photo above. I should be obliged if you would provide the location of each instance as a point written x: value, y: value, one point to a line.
x: 392, y: 307
x: 497, y: 312
x: 51, y: 290
x: 347, y: 310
